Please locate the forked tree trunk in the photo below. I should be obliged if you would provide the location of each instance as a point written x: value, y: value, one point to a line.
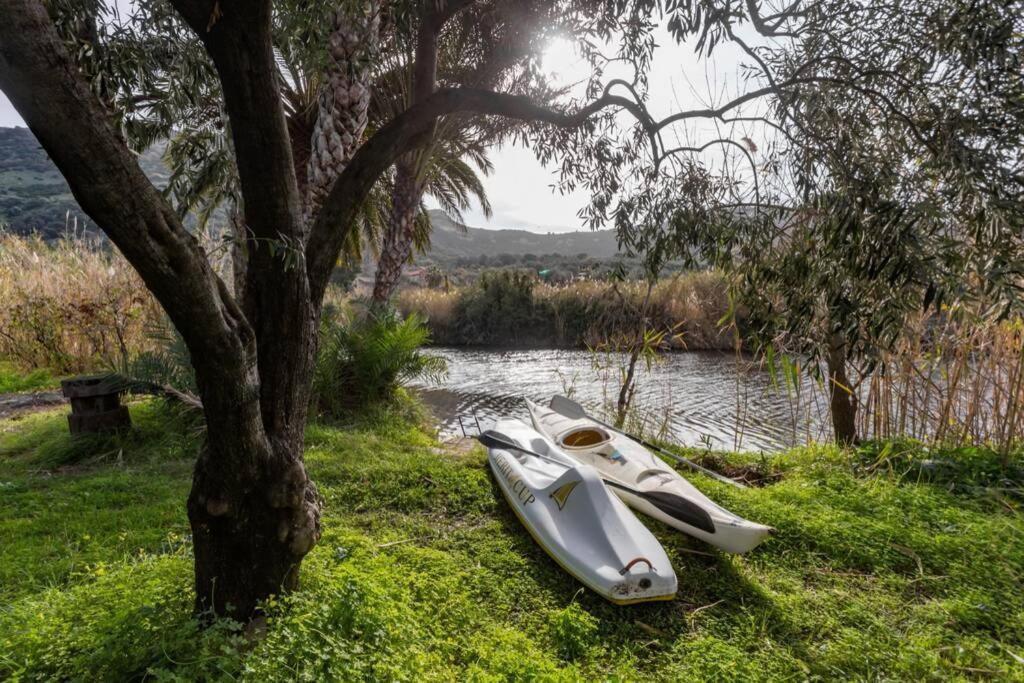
x: 253, y: 511
x: 842, y: 402
x: 398, y: 241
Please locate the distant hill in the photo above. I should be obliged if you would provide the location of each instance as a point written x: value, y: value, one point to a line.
x: 33, y: 194
x: 449, y: 241
x: 35, y: 198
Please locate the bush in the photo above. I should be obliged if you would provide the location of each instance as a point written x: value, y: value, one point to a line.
x: 168, y: 363
x: 501, y: 309
x: 364, y: 362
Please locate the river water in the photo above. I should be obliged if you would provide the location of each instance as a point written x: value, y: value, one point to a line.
x: 693, y: 398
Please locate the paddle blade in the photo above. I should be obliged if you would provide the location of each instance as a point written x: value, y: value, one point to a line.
x: 674, y: 506
x: 564, y: 405
x: 492, y: 439
x: 682, y: 509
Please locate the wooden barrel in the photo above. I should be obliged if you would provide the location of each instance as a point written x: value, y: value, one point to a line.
x: 95, y: 404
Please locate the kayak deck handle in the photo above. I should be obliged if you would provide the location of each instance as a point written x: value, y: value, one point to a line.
x: 633, y: 563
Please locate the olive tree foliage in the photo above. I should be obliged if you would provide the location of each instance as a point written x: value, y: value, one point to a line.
x: 872, y: 168
x: 902, y: 188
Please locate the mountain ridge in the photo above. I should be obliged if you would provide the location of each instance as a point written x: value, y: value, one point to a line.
x: 34, y: 198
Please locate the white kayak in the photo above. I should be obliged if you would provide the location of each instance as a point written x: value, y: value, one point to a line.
x: 571, y: 514
x: 623, y: 460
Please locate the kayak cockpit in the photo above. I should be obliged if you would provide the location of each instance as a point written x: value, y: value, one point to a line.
x: 586, y: 437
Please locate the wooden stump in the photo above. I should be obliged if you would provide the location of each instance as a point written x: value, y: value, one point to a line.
x: 95, y: 405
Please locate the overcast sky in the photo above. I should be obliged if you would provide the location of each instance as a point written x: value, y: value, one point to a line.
x: 520, y: 189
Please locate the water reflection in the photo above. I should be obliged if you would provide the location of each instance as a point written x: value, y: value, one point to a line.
x: 694, y: 397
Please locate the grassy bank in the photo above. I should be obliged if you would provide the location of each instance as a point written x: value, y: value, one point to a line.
x: 424, y: 573
x: 13, y: 380
x: 508, y: 308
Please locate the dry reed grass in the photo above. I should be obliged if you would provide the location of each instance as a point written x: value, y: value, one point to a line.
x: 70, y: 306
x: 950, y: 380
x: 592, y: 312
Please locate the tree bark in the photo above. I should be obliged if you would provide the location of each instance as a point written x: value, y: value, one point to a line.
x: 398, y: 241
x: 344, y: 102
x: 842, y: 401
x: 253, y: 510
x: 252, y: 528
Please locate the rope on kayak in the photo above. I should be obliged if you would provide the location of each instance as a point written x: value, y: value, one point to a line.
x: 634, y: 562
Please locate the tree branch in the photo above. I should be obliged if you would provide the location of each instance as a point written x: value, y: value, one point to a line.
x: 439, y: 12
x: 238, y: 39
x: 761, y: 23
x: 276, y: 298
x: 407, y: 131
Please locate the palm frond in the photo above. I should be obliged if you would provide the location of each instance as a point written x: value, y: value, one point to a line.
x: 364, y: 362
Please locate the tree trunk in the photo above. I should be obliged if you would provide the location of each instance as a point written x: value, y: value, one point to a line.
x: 842, y: 402
x: 399, y: 239
x: 344, y: 102
x: 249, y: 532
x: 628, y: 387
x: 239, y: 252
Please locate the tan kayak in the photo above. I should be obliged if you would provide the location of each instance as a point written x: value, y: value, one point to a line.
x: 620, y: 459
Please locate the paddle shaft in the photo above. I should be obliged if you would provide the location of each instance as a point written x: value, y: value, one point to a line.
x: 562, y: 400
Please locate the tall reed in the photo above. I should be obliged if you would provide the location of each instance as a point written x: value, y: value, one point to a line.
x: 580, y: 314
x: 70, y: 305
x: 949, y: 381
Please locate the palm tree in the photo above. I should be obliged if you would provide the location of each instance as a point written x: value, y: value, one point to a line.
x: 344, y: 99
x: 330, y: 105
x: 447, y: 168
x: 328, y: 110
x: 326, y: 106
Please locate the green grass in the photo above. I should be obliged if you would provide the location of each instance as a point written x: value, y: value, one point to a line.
x: 423, y: 573
x: 13, y: 380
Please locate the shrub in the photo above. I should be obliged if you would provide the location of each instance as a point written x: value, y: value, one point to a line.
x: 436, y: 307
x: 364, y: 362
x: 513, y: 308
x: 168, y: 363
x: 501, y: 309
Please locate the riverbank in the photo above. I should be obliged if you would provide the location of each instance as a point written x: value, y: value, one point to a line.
x: 424, y: 573
x: 512, y: 309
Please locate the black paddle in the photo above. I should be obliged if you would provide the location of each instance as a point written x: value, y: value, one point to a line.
x: 672, y: 505
x: 573, y: 410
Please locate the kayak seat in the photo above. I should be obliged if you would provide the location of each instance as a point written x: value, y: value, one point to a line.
x: 586, y: 437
